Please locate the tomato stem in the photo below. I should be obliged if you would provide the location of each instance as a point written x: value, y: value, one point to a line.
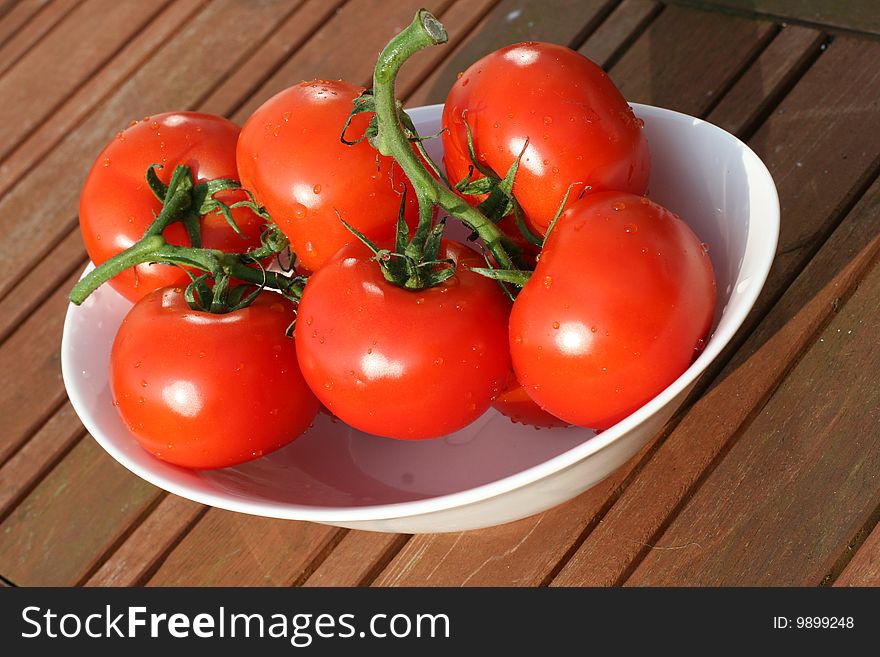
x: 425, y: 30
x: 154, y: 248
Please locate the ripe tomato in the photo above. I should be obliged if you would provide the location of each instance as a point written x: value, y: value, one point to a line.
x: 208, y: 391
x: 618, y: 307
x: 400, y: 363
x: 116, y: 204
x: 578, y: 125
x: 516, y: 404
x: 291, y: 157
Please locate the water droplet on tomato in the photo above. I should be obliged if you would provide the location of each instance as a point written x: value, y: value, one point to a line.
x: 106, y: 162
x: 510, y: 115
x: 310, y: 320
x: 705, y: 247
x: 593, y: 329
x: 161, y: 144
x: 631, y: 228
x: 555, y: 169
x: 316, y: 189
x: 459, y: 75
x: 548, y: 281
x: 465, y: 82
x: 701, y: 344
x: 556, y: 325
x: 518, y: 339
x: 438, y: 360
x: 548, y: 120
x: 154, y: 125
x: 286, y: 116
x: 618, y: 205
x: 644, y: 200
x: 202, y: 354
x: 141, y: 400
x: 329, y: 385
x: 143, y: 383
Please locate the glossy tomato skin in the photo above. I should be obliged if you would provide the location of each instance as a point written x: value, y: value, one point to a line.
x: 291, y: 157
x: 579, y: 127
x: 618, y: 307
x: 203, y: 390
x: 116, y: 204
x: 399, y: 363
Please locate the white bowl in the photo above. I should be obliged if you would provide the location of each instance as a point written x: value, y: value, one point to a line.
x: 493, y: 471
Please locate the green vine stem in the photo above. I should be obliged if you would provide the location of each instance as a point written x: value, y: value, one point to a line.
x: 424, y: 31
x: 154, y: 248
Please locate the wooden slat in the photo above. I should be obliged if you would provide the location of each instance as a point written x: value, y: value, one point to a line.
x: 17, y: 16
x: 864, y: 567
x: 187, y: 75
x: 234, y: 549
x: 818, y: 141
x: 682, y: 46
x: 135, y: 559
x: 92, y: 91
x: 357, y: 559
x: 53, y: 440
x: 79, y: 511
x: 612, y: 37
x: 859, y: 16
x: 287, y: 39
x: 91, y: 34
x: 27, y: 398
x: 521, y: 553
x: 26, y: 35
x: 63, y: 261
x: 814, y: 455
x: 511, y: 21
x: 632, y: 524
x: 364, y: 26
x: 781, y: 63
x: 559, y: 536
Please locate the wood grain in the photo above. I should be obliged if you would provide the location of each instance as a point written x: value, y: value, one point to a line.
x: 864, y: 567
x: 89, y: 37
x: 233, y: 549
x: 62, y: 529
x: 14, y: 18
x: 142, y: 551
x: 29, y: 397
x: 357, y: 559
x: 364, y: 26
x: 687, y: 58
x: 814, y: 455
x: 769, y: 78
x: 631, y: 526
x: 26, y: 466
x: 28, y: 28
x: 617, y: 31
x: 511, y: 21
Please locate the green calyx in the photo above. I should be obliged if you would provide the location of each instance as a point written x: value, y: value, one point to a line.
x: 415, y: 263
x: 185, y: 202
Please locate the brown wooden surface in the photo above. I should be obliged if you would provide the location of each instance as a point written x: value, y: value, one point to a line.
x: 768, y: 476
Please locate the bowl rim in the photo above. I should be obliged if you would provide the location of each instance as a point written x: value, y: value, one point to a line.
x: 765, y: 252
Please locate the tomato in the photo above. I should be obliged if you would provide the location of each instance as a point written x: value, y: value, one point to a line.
x: 578, y: 125
x: 516, y: 404
x: 400, y: 363
x: 206, y: 390
x: 291, y: 157
x: 618, y: 307
x: 116, y: 204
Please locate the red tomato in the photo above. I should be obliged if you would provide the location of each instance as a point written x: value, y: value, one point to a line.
x: 291, y: 157
x: 618, y: 307
x: 579, y: 127
x: 116, y: 204
x: 400, y: 363
x: 203, y: 390
x: 516, y: 404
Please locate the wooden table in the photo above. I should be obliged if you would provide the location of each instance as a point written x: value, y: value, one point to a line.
x: 770, y: 476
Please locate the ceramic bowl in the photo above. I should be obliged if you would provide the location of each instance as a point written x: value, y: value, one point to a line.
x: 493, y: 471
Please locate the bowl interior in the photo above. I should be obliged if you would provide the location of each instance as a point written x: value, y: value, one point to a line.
x: 712, y: 180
